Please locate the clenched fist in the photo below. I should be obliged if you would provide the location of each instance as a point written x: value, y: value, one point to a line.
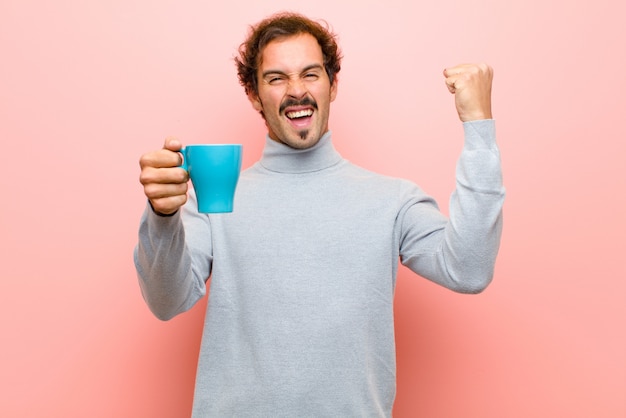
x: 164, y: 182
x: 471, y: 86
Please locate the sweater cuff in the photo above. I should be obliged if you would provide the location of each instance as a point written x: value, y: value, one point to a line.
x: 480, y: 134
x: 160, y: 222
x: 162, y: 215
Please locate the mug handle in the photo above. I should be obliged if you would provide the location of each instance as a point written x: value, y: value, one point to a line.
x: 183, y: 151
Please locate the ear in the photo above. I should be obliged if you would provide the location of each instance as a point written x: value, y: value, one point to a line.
x: 255, y: 101
x: 333, y: 89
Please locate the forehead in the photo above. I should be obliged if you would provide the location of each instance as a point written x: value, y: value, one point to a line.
x: 291, y: 53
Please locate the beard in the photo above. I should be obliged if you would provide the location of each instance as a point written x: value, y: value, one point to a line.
x: 303, y: 134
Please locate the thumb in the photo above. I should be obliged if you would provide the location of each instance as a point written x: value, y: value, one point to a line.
x: 172, y: 143
x: 451, y: 84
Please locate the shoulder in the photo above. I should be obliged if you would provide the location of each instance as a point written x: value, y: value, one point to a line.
x: 390, y: 186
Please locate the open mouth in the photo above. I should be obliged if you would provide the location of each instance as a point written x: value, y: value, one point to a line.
x: 299, y: 118
x: 299, y: 114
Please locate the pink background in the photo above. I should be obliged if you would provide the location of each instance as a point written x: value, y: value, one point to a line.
x: 86, y: 87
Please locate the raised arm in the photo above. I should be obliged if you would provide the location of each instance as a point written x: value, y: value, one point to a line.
x: 460, y: 254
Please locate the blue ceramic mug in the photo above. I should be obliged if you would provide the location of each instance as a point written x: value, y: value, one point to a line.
x: 214, y: 172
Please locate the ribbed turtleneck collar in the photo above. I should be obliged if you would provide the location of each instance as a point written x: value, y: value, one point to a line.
x: 283, y: 159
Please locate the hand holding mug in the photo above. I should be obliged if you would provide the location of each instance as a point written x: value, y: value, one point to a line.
x: 213, y: 170
x: 164, y: 181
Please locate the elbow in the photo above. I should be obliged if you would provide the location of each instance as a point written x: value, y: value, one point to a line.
x: 474, y: 287
x: 165, y: 308
x: 472, y: 275
x: 163, y: 316
x: 161, y: 311
x: 162, y: 307
x: 473, y: 284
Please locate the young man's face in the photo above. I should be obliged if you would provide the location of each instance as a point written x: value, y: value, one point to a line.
x: 294, y: 91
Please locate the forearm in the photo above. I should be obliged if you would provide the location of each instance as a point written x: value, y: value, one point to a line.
x: 473, y: 233
x: 164, y: 265
x: 460, y: 254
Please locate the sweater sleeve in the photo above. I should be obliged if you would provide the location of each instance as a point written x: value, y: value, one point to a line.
x: 460, y: 252
x: 173, y: 259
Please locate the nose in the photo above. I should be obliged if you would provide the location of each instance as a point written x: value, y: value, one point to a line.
x: 296, y: 88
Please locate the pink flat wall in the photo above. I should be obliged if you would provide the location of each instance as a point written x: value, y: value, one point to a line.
x: 86, y: 87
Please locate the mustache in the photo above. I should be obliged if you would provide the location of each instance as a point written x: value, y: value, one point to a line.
x: 307, y: 101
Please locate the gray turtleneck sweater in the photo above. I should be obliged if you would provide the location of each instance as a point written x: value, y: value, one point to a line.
x: 300, y: 317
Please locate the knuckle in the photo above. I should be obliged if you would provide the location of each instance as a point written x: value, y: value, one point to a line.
x: 152, y: 191
x: 144, y: 160
x: 145, y: 176
x: 181, y: 176
x: 159, y: 205
x: 485, y: 68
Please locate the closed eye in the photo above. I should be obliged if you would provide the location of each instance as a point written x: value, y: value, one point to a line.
x: 275, y: 80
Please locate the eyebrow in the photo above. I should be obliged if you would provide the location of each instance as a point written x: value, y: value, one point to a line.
x: 304, y: 70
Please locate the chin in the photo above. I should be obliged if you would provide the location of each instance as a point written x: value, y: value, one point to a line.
x: 300, y: 143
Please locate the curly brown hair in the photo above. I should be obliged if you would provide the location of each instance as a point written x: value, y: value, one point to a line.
x: 282, y: 25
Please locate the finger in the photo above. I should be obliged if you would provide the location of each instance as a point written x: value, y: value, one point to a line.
x: 484, y: 69
x: 168, y: 205
x: 172, y: 143
x: 169, y: 175
x: 453, y: 76
x: 154, y: 191
x: 451, y: 84
x: 480, y: 70
x: 161, y: 159
x: 454, y: 70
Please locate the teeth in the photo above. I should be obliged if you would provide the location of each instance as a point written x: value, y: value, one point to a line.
x: 299, y: 114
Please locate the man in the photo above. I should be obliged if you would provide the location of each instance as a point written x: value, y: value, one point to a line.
x: 300, y: 312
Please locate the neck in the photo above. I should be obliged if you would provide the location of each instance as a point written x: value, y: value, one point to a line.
x: 282, y: 158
